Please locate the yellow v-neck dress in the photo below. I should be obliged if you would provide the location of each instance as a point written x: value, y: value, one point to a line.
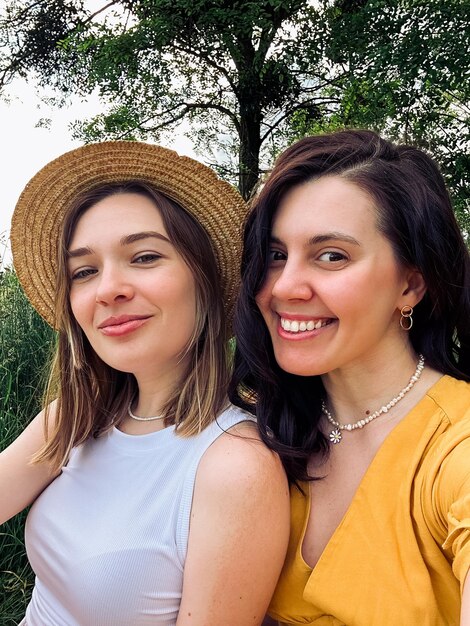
x: 401, y: 553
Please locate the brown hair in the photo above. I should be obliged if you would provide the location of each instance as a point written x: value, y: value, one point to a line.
x: 91, y: 395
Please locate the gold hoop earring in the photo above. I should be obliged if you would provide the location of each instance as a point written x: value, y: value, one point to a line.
x: 406, y: 321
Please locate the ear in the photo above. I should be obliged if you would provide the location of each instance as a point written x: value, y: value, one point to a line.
x: 414, y: 289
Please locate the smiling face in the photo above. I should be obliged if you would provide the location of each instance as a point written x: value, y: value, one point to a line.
x: 333, y: 289
x: 131, y: 292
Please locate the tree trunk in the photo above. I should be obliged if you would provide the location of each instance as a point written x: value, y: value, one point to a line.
x: 250, y: 130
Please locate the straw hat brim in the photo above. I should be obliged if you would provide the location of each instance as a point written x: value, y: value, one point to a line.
x: 38, y: 215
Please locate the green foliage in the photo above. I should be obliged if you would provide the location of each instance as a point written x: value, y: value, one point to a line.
x: 408, y: 79
x: 16, y: 577
x: 243, y: 73
x: 244, y: 65
x: 25, y: 345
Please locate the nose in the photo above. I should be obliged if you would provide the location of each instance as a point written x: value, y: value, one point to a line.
x: 292, y: 283
x: 113, y: 286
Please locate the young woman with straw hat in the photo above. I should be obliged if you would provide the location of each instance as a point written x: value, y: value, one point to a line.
x: 353, y: 343
x: 151, y: 493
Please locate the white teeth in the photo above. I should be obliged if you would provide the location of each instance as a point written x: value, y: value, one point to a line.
x: 293, y: 326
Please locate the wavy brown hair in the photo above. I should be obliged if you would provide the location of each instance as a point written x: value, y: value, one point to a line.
x: 90, y: 395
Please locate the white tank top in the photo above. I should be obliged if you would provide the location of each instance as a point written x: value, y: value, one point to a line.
x: 107, y: 539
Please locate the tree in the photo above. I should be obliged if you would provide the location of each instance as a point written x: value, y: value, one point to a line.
x: 245, y: 72
x: 237, y: 68
x: 409, y: 78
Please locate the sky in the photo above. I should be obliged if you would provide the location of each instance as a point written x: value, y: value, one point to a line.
x: 25, y: 148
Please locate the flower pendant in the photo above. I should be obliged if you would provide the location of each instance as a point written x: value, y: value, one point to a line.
x: 335, y: 436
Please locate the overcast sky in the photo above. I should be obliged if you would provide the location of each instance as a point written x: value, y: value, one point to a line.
x: 25, y: 148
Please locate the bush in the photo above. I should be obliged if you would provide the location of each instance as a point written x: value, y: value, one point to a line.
x: 25, y: 346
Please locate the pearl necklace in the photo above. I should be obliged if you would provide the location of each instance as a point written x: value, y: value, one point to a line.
x: 142, y: 419
x: 335, y: 435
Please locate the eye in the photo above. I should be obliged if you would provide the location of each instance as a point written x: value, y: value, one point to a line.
x: 332, y: 256
x: 275, y: 256
x: 148, y: 257
x: 83, y: 273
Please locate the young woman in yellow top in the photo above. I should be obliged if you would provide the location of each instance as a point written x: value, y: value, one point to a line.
x: 353, y: 349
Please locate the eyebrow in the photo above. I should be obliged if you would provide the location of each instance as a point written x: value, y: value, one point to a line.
x: 124, y: 241
x: 318, y: 239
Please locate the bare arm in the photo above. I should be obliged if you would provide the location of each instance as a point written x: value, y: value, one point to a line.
x: 238, y: 534
x: 21, y: 482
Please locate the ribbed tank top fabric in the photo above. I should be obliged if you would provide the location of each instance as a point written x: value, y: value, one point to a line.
x: 107, y: 539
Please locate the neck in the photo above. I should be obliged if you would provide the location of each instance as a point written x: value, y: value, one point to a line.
x: 151, y: 397
x: 359, y: 388
x: 155, y: 385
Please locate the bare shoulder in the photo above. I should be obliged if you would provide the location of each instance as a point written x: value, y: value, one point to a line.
x: 33, y: 436
x: 238, y: 458
x: 241, y: 490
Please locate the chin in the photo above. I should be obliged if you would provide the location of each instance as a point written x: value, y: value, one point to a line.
x: 302, y: 364
x: 298, y: 369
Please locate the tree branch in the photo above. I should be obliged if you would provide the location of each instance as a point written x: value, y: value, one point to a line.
x: 207, y: 60
x: 187, y: 107
x: 91, y: 17
x: 20, y: 16
x: 289, y: 112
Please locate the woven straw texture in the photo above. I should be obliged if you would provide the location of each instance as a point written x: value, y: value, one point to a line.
x: 38, y: 215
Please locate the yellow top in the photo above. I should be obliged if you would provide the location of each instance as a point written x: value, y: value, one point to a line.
x: 401, y: 549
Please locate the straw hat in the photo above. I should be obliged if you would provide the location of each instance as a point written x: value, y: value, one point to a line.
x: 38, y: 215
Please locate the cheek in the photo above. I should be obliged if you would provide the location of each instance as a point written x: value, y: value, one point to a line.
x: 263, y: 297
x: 181, y: 291
x: 74, y: 303
x: 79, y: 304
x: 261, y: 303
x: 188, y: 288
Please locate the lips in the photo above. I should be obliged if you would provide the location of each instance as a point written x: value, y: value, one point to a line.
x: 122, y: 325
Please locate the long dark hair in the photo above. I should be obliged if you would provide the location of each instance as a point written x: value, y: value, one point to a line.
x: 415, y: 214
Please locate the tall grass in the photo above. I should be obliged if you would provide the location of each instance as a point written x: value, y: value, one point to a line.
x: 25, y: 346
